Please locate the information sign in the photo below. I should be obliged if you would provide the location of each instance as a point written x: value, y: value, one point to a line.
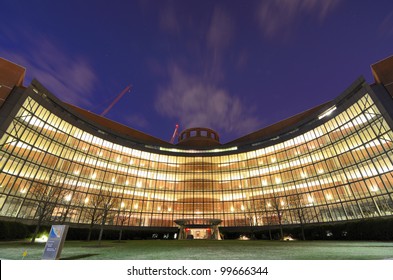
x: 55, y: 242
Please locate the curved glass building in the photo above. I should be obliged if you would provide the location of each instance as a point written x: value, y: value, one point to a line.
x: 59, y: 163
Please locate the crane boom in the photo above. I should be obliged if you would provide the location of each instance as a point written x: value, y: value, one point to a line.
x: 128, y: 88
x: 174, y: 134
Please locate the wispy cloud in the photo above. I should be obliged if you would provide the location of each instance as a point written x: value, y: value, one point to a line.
x: 196, y: 97
x: 199, y: 102
x: 137, y: 120
x: 218, y: 37
x: 168, y: 20
x: 386, y: 26
x: 277, y: 18
x: 220, y: 30
x: 70, y: 77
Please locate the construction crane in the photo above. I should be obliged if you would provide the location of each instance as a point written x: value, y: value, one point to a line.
x: 174, y: 134
x: 127, y: 89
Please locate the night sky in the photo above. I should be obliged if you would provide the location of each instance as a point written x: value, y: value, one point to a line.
x: 233, y: 66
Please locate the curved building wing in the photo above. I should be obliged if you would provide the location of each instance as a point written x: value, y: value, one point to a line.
x: 59, y: 163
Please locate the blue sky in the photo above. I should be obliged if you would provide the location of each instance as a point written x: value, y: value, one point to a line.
x: 233, y: 66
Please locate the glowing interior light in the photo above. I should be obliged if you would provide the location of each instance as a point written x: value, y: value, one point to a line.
x: 42, y: 239
x: 122, y: 205
x: 142, y: 164
x: 310, y: 199
x: 100, y: 154
x: 329, y: 196
x: 320, y: 171
x: 274, y: 159
x: 269, y: 204
x: 136, y: 206
x: 131, y: 161
x: 118, y: 159
x: 113, y: 180
x: 68, y: 197
x: 327, y: 112
x: 282, y: 203
x: 23, y: 190
x: 77, y: 172
x: 242, y: 207
x: 198, y: 151
x: 138, y: 184
x: 232, y: 209
x: 278, y: 180
x: 260, y: 162
x: 94, y: 175
x: 127, y: 183
x: 37, y: 122
x: 169, y: 209
x: 303, y: 175
x: 264, y: 183
x: 374, y: 188
x: 159, y: 208
x: 358, y: 120
x: 86, y: 200
x: 240, y: 186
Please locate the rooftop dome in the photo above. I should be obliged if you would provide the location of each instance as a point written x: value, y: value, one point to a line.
x: 198, y: 137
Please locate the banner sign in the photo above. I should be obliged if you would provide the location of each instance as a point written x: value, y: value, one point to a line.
x: 55, y: 242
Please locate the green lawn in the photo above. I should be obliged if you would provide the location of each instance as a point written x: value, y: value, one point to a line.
x: 207, y: 250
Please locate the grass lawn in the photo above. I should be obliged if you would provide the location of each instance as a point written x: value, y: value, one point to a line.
x: 207, y: 250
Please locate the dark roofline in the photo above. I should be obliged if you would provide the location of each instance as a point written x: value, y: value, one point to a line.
x: 245, y: 142
x: 298, y: 121
x: 118, y: 127
x: 275, y: 128
x: 99, y: 121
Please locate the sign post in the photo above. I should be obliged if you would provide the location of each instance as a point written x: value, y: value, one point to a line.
x: 55, y: 242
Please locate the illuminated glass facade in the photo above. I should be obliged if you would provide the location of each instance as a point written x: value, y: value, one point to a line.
x: 334, y: 165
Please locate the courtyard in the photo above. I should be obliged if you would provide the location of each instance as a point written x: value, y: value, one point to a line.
x: 205, y: 250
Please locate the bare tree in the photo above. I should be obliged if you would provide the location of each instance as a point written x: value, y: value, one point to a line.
x: 250, y: 217
x: 107, y: 204
x: 122, y: 218
x: 47, y: 197
x: 386, y: 204
x: 296, y: 201
x: 93, y: 211
x: 303, y: 211
x: 98, y: 210
x: 269, y: 220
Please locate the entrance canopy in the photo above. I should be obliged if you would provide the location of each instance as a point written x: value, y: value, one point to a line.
x: 199, y: 228
x: 198, y: 222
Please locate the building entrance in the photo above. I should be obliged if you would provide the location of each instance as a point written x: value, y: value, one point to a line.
x: 199, y: 229
x: 198, y: 233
